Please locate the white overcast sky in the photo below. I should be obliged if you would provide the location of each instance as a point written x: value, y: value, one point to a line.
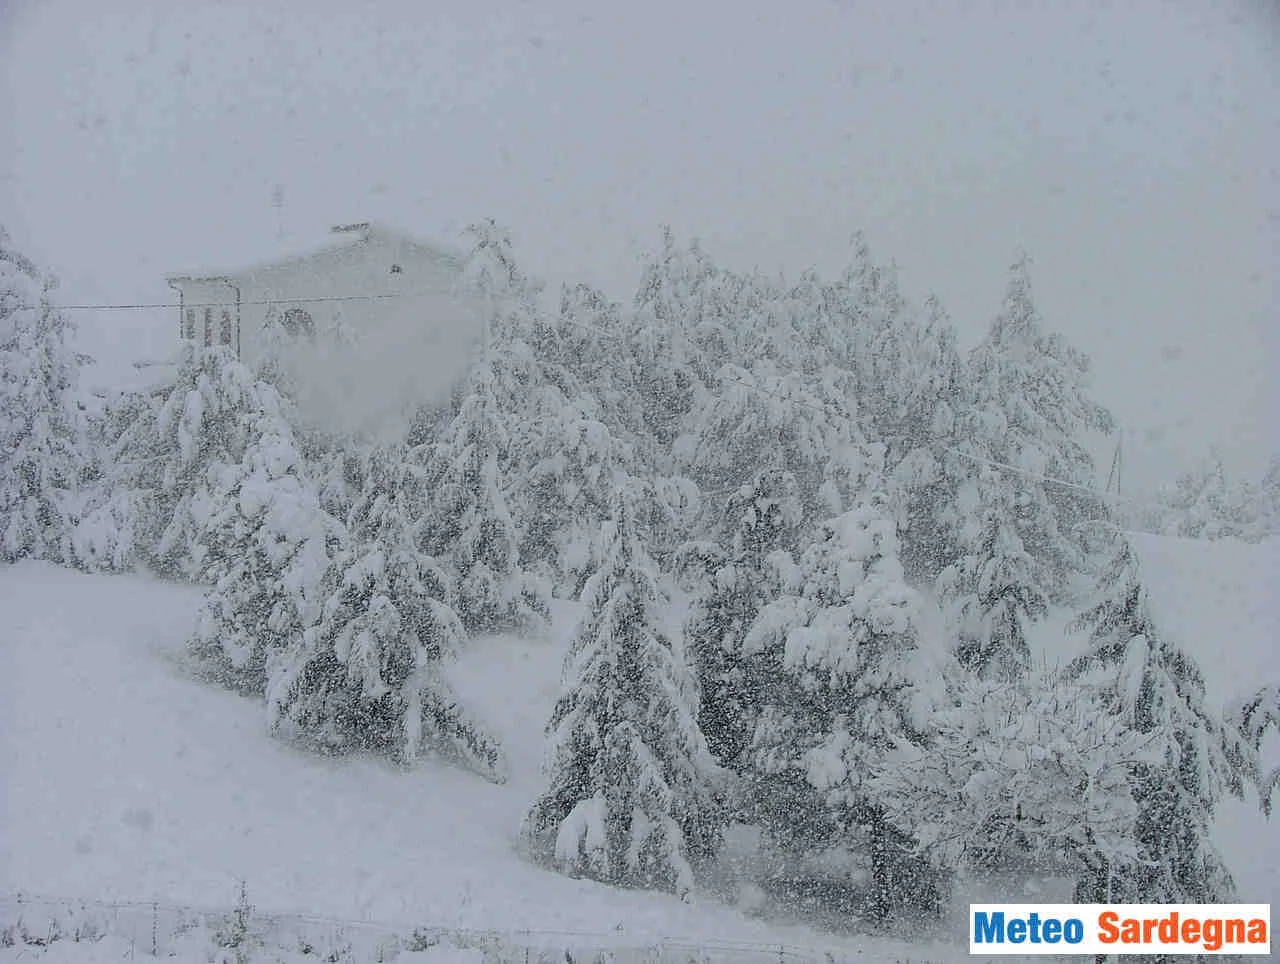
x: 1131, y: 148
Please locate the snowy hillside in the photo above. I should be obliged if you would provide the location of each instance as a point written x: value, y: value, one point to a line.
x: 126, y: 780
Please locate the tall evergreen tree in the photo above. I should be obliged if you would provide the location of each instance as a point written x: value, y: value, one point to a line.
x: 846, y: 642
x: 1029, y: 408
x: 266, y: 546
x: 367, y: 673
x: 1026, y: 773
x: 630, y: 797
x: 991, y: 594
x: 763, y: 419
x: 919, y: 471
x: 111, y: 515
x: 172, y: 454
x: 42, y: 429
x: 1256, y: 717
x: 1201, y: 505
x: 564, y: 486
x: 471, y: 526
x: 660, y: 362
x: 762, y: 522
x: 1158, y: 690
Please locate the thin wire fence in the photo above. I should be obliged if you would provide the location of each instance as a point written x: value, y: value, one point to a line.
x: 159, y: 929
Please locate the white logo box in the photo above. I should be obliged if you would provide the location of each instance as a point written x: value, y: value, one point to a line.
x: 1029, y: 929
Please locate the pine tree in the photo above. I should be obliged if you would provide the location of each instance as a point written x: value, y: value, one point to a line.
x: 111, y: 513
x: 659, y: 361
x: 42, y: 431
x: 471, y: 526
x: 171, y: 455
x: 1159, y: 692
x: 266, y: 547
x: 1254, y: 718
x: 918, y: 469
x: 845, y: 643
x: 585, y: 340
x: 368, y: 673
x: 992, y: 594
x: 1266, y: 512
x: 1201, y: 506
x: 761, y: 419
x: 1032, y: 772
x: 630, y: 797
x: 1029, y: 408
x: 564, y: 485
x: 762, y: 523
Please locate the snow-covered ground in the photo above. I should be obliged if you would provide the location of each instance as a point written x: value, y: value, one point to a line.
x: 125, y: 779
x: 128, y: 780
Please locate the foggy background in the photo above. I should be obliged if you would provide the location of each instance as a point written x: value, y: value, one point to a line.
x: 1130, y: 148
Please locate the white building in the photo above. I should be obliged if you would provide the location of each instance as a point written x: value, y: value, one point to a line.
x: 373, y: 323
x: 368, y: 280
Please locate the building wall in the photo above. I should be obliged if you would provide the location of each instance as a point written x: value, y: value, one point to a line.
x: 371, y: 342
x: 208, y: 313
x: 378, y: 288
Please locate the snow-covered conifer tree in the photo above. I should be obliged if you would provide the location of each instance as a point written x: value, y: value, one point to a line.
x: 992, y: 593
x: 1030, y: 772
x: 587, y: 330
x: 470, y: 524
x: 760, y: 419
x: 1255, y: 718
x: 763, y: 520
x: 368, y: 673
x: 845, y: 643
x: 564, y: 489
x: 266, y: 546
x: 1201, y: 505
x: 43, y: 451
x: 171, y: 455
x: 920, y: 427
x: 1029, y: 408
x: 1158, y: 691
x: 630, y: 797
x: 111, y: 513
x: 658, y: 360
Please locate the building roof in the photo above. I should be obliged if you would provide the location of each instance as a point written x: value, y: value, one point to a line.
x: 342, y: 237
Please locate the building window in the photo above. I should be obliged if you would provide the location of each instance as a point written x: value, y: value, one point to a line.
x: 189, y: 325
x: 208, y: 327
x: 224, y: 335
x: 298, y: 323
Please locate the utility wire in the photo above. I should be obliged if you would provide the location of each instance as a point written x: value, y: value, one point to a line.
x: 226, y: 304
x: 980, y: 460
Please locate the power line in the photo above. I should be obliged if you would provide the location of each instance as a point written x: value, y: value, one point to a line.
x: 225, y: 304
x: 991, y: 463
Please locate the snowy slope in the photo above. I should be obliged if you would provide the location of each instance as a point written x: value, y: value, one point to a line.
x: 127, y: 780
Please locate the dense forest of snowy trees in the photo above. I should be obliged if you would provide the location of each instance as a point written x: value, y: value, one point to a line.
x: 805, y: 463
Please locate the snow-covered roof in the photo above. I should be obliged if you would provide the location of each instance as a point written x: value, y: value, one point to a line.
x: 341, y: 237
